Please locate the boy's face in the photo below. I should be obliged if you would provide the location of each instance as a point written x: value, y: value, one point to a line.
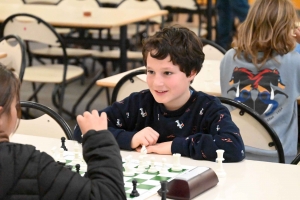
x: 167, y: 83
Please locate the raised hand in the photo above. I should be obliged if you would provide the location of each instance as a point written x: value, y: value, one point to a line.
x: 92, y: 121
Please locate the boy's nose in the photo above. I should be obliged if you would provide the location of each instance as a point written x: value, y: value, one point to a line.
x: 158, y: 80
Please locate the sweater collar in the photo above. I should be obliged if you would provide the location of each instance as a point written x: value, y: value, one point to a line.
x: 180, y: 111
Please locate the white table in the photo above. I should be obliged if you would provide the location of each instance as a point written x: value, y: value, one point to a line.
x: 246, y: 180
x: 72, y: 16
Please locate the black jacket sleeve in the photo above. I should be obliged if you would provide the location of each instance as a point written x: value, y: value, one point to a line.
x: 104, y: 175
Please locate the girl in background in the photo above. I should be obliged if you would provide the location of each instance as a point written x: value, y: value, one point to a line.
x: 263, y: 70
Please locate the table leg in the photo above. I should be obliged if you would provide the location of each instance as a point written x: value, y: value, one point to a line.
x: 123, y: 48
x: 209, y: 21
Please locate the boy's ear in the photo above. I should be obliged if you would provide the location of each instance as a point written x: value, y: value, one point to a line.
x: 193, y: 74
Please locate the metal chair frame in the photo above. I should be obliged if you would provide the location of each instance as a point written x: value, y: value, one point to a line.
x: 245, y: 109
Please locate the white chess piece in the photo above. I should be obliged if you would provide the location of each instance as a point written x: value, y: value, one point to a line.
x: 220, y: 170
x: 61, y: 157
x: 164, y: 168
x: 152, y: 168
x: 143, y: 150
x: 141, y: 167
x: 128, y: 169
x: 176, y: 162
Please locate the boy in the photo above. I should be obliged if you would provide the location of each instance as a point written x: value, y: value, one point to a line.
x: 171, y: 117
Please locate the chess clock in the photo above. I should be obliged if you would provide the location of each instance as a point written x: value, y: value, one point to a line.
x: 190, y: 183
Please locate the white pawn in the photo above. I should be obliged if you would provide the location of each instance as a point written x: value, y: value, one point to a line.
x: 128, y: 169
x: 176, y: 162
x: 61, y: 157
x: 141, y: 167
x: 220, y: 170
x: 152, y: 168
x: 164, y: 168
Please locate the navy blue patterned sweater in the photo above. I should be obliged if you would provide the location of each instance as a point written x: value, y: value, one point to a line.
x: 197, y: 129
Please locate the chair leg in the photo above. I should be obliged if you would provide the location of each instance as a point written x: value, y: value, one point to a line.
x: 36, y: 90
x: 96, y: 95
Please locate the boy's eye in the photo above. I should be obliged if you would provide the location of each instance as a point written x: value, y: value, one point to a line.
x: 168, y: 73
x: 150, y: 72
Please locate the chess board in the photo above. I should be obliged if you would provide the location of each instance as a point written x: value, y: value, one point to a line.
x: 147, y: 183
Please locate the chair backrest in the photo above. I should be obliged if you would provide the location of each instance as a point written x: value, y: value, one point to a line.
x: 146, y: 5
x: 212, y: 50
x: 32, y: 28
x: 45, y: 2
x: 261, y: 141
x: 49, y: 124
x: 15, y: 50
x: 296, y: 160
x: 128, y: 84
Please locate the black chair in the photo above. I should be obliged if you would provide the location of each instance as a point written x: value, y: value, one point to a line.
x: 261, y: 141
x: 128, y: 84
x: 49, y: 124
x: 15, y: 49
x: 296, y: 160
x: 213, y: 44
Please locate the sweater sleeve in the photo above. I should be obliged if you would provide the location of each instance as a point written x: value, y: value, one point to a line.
x: 122, y: 120
x: 104, y: 178
x: 218, y: 132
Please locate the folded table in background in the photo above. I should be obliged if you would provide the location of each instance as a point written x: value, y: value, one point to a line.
x: 73, y: 16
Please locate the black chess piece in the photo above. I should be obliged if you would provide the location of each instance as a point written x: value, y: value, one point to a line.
x: 63, y: 140
x: 134, y: 192
x: 77, y: 166
x: 163, y: 190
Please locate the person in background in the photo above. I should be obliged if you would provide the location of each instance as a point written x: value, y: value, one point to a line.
x: 26, y: 173
x: 171, y: 117
x: 227, y: 11
x: 263, y: 70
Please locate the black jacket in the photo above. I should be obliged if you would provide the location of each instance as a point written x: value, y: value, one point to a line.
x: 26, y: 173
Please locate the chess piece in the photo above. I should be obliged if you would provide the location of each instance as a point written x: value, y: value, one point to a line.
x: 220, y: 170
x: 61, y: 159
x: 134, y: 192
x: 128, y: 169
x: 164, y: 168
x: 63, y: 140
x: 163, y: 190
x: 77, y: 166
x: 176, y: 162
x: 141, y: 167
x: 152, y: 168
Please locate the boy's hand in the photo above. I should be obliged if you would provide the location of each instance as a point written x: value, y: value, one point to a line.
x: 146, y: 136
x: 92, y: 121
x: 159, y: 148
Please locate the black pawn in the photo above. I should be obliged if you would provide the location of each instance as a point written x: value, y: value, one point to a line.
x: 77, y: 166
x: 134, y: 192
x: 63, y: 140
x: 163, y: 190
